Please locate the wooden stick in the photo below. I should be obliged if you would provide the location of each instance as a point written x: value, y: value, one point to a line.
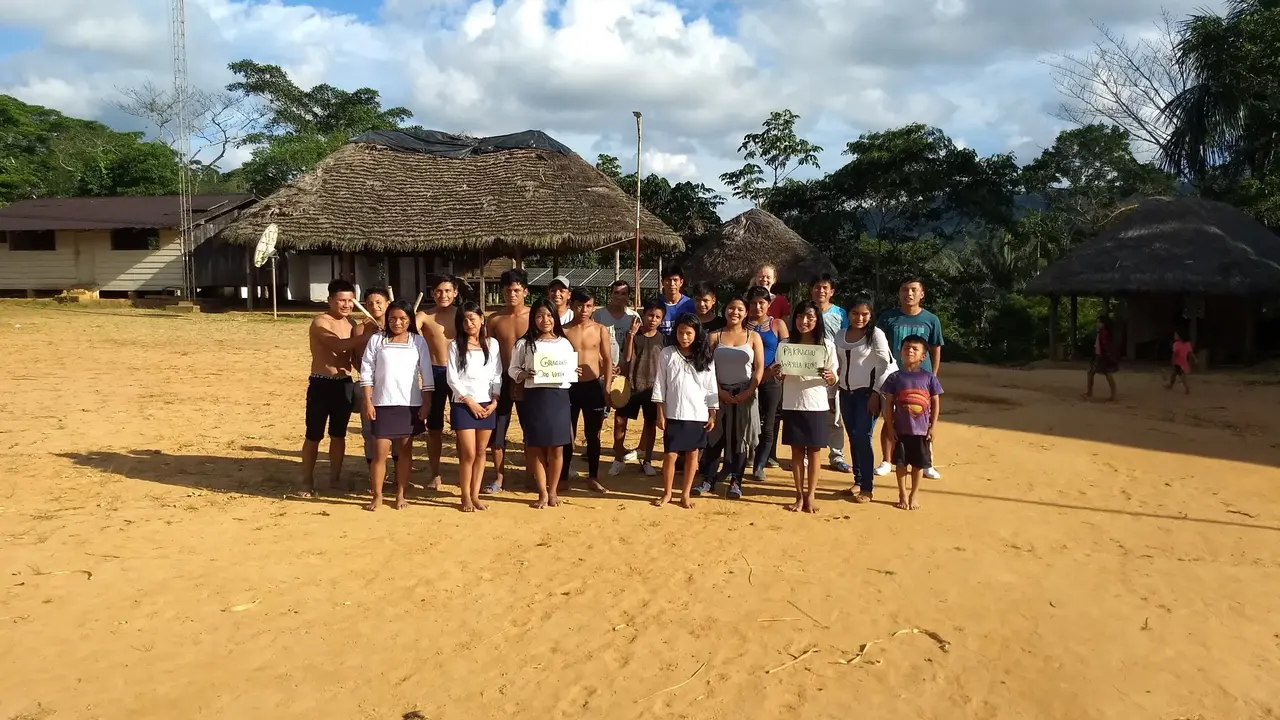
x: 788, y: 664
x: 674, y: 687
x: 416, y: 303
x: 806, y: 614
x: 750, y: 570
x: 361, y: 309
x: 778, y: 619
x: 391, y: 293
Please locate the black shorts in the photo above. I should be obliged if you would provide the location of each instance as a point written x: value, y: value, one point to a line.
x: 912, y: 451
x: 502, y: 422
x: 435, y: 417
x: 641, y: 402
x: 587, y: 395
x: 1104, y: 366
x: 329, y: 400
x: 1176, y: 372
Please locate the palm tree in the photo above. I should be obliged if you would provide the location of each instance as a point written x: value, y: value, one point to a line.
x: 1228, y: 113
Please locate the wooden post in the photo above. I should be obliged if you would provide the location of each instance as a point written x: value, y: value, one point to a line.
x: 483, y: 290
x: 555, y: 264
x: 1053, y: 327
x: 417, y: 273
x: 1075, y: 323
x: 249, y: 288
x: 520, y: 258
x: 1250, y: 330
x: 347, y: 267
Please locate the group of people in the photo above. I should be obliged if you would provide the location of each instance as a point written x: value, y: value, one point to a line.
x: 724, y: 380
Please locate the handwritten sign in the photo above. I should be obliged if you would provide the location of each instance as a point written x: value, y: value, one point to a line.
x: 554, y: 367
x: 802, y: 360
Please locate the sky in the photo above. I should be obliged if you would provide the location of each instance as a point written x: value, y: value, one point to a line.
x: 703, y: 72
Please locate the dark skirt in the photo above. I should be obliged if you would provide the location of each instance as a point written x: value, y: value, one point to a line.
x: 460, y: 418
x: 544, y: 417
x: 397, y: 421
x: 805, y: 428
x: 684, y: 435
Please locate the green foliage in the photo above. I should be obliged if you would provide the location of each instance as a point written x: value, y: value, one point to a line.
x: 302, y: 126
x: 782, y: 152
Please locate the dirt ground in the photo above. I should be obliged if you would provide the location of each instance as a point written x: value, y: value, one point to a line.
x: 1078, y: 560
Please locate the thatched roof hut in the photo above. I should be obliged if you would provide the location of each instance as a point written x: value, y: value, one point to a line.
x: 409, y: 192
x: 741, y: 245
x: 1173, y: 263
x: 1174, y: 245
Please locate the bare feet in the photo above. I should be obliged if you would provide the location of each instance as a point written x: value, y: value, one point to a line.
x: 902, y: 502
x: 662, y: 500
x: 401, y: 503
x: 374, y: 505
x: 434, y: 484
x: 595, y: 486
x: 686, y: 503
x: 467, y: 505
x: 541, y: 502
x: 810, y: 506
x: 795, y: 506
x: 553, y: 501
x: 475, y: 501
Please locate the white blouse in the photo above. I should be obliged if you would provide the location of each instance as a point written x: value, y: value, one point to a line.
x: 810, y: 394
x: 393, y: 369
x: 522, y: 359
x: 685, y: 393
x: 864, y: 364
x: 481, y: 380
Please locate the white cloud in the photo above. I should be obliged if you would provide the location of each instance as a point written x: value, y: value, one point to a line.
x: 577, y: 68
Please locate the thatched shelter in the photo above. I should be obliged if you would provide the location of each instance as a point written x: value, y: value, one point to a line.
x: 417, y: 193
x: 1175, y: 261
x: 741, y: 245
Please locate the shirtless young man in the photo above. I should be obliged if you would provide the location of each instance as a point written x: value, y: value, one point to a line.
x: 587, y: 396
x: 507, y: 326
x: 330, y: 389
x: 436, y: 325
x: 376, y: 300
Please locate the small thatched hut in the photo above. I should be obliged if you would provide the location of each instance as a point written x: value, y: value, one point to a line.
x: 447, y: 199
x: 1175, y: 261
x: 741, y: 245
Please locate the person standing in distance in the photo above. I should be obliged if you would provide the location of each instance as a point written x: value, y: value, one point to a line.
x: 676, y: 301
x: 437, y: 325
x: 835, y: 321
x: 908, y: 319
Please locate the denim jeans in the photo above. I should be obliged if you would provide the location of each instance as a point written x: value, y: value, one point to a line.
x: 859, y: 424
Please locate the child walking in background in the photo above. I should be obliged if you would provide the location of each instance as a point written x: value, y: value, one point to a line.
x: 687, y: 398
x: 394, y: 401
x: 805, y: 404
x: 913, y: 400
x: 1104, y: 359
x: 1183, y: 356
x: 474, y: 372
x: 544, y: 413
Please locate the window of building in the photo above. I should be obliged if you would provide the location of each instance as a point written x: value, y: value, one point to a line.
x: 135, y: 239
x: 32, y: 241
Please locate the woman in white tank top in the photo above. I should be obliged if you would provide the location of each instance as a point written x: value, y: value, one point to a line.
x: 739, y: 361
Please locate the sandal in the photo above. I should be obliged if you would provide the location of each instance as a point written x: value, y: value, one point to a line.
x: 861, y: 498
x: 492, y: 488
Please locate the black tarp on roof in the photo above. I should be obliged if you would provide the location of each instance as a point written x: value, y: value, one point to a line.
x: 459, y: 147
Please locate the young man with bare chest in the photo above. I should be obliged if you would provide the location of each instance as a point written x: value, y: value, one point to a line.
x: 330, y: 387
x: 437, y: 326
x: 590, y: 340
x: 376, y: 300
x: 506, y: 326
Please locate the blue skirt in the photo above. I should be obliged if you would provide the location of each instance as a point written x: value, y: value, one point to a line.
x: 805, y: 428
x: 544, y: 417
x: 684, y: 435
x: 393, y: 422
x: 460, y: 418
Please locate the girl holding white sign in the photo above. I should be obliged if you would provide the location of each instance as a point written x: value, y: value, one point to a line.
x: 474, y: 372
x: 687, y: 397
x: 807, y: 365
x: 545, y: 364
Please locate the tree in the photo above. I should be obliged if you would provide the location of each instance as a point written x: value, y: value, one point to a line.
x: 218, y: 121
x: 686, y: 207
x: 611, y: 166
x: 782, y: 152
x: 302, y: 127
x: 1123, y: 82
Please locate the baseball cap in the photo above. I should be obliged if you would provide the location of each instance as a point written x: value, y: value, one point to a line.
x: 560, y: 279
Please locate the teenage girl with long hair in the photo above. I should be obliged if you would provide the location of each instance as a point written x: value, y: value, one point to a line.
x: 739, y: 360
x: 474, y: 372
x: 687, y: 398
x: 805, y: 404
x: 771, y: 330
x: 544, y: 413
x: 865, y: 361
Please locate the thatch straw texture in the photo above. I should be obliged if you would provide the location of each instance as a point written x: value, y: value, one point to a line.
x: 1170, y: 245
x: 371, y: 198
x: 741, y: 245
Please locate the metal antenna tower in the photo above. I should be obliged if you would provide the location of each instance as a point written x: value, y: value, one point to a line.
x: 182, y: 145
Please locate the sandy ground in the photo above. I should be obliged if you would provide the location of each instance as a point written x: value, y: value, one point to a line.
x: 1081, y: 560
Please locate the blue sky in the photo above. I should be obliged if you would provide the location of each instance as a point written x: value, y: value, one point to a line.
x: 704, y: 72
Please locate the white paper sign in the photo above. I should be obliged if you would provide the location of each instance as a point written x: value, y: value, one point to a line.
x: 554, y: 367
x: 802, y: 360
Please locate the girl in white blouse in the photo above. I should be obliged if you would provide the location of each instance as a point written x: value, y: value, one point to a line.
x: 544, y: 411
x: 805, y: 404
x: 865, y: 362
x: 687, y: 397
x: 395, y: 375
x: 474, y: 371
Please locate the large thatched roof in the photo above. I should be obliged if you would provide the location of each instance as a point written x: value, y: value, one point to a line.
x: 411, y: 192
x: 740, y: 246
x: 1170, y: 245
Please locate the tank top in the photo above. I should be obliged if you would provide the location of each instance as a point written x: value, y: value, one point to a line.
x: 644, y: 360
x: 770, y: 340
x: 734, y: 364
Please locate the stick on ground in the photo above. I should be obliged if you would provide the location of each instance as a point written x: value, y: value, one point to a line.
x: 806, y: 614
x: 793, y: 661
x: 674, y: 687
